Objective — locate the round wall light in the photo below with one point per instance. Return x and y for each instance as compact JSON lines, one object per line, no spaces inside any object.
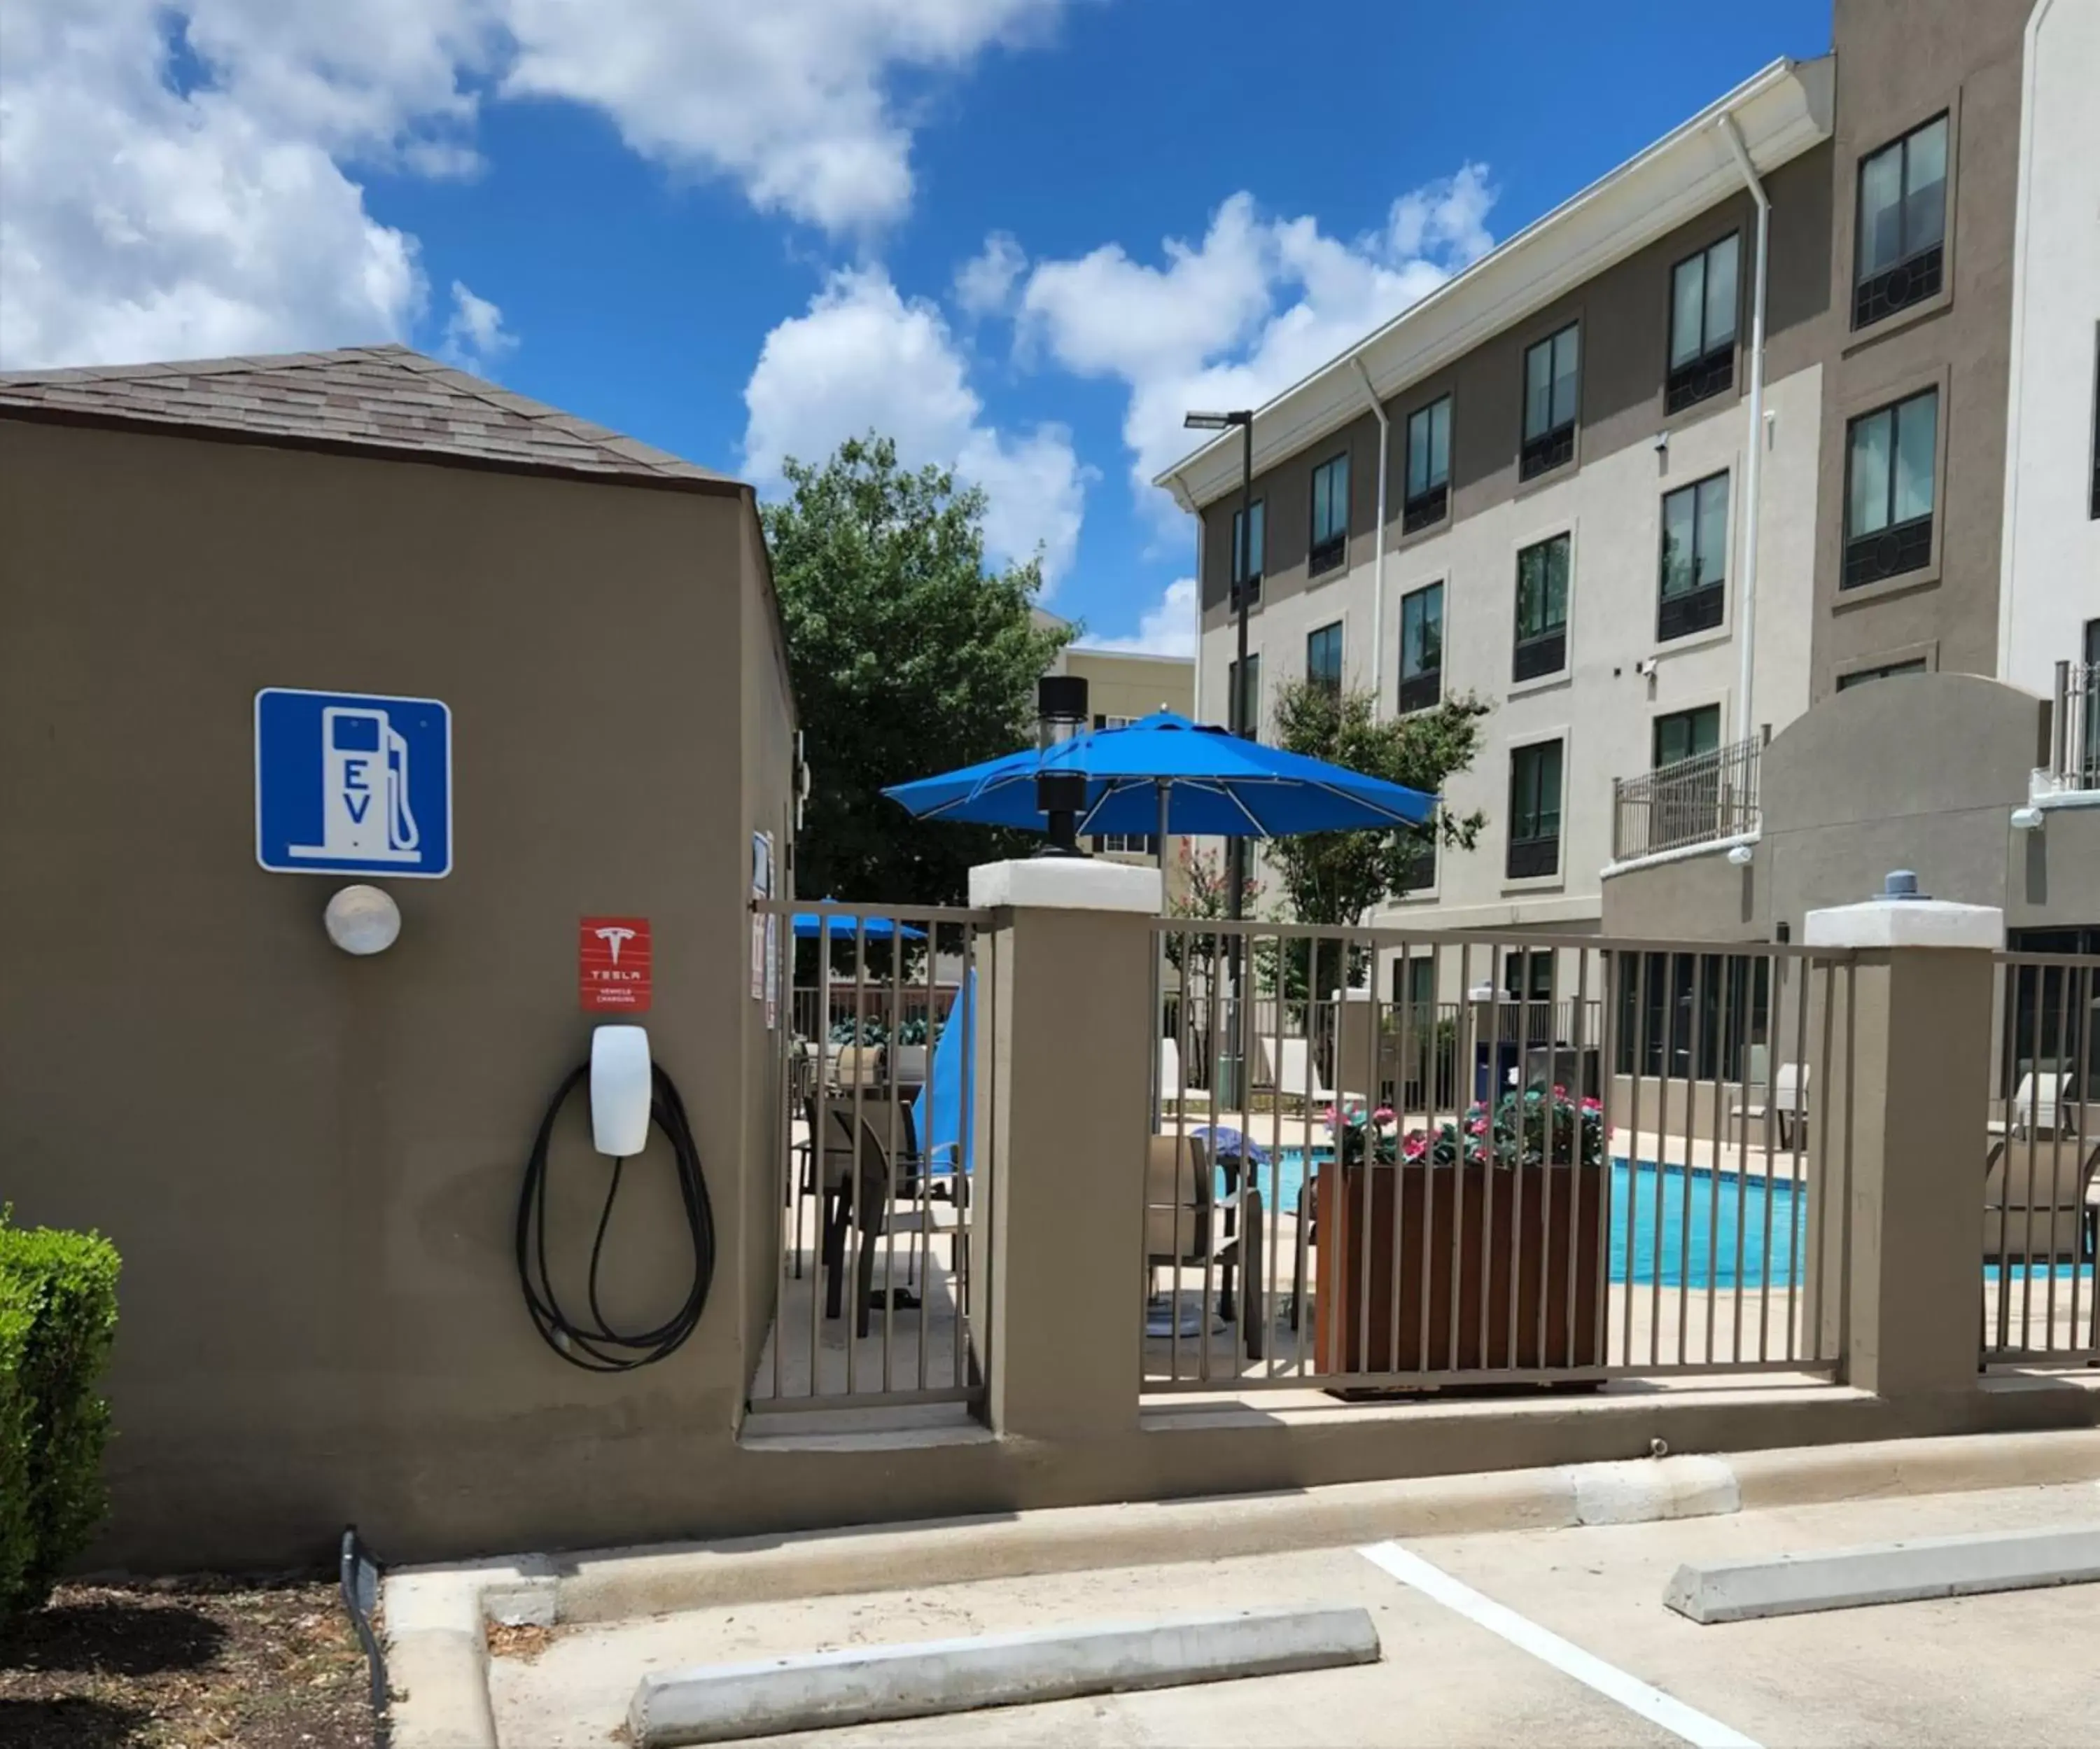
{"x":363,"y":920}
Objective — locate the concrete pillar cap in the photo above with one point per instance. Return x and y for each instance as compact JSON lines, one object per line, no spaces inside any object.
{"x":1906,"y":922}
{"x":1066,"y":883}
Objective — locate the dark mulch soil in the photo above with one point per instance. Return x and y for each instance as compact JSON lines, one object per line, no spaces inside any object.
{"x":190,"y":1663}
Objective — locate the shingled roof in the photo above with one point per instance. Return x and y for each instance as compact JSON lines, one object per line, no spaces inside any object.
{"x":383,"y":398}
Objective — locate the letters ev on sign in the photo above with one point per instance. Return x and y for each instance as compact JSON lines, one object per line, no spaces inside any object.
{"x":352,"y":783}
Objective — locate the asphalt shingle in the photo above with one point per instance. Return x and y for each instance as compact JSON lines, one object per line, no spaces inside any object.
{"x":382,"y":398}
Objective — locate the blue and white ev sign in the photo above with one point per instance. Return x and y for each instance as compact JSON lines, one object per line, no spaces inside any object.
{"x":349,"y":783}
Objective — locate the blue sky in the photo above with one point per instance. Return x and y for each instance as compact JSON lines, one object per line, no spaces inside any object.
{"x":743,"y":232}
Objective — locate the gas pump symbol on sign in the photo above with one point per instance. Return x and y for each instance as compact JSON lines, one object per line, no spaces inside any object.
{"x":347,"y":783}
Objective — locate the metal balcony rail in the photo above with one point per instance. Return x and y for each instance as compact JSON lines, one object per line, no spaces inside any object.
{"x":2074,"y":738}
{"x":1623,"y":1172}
{"x":2041,"y":1165}
{"x":1695,"y":801}
{"x":868,"y":1211}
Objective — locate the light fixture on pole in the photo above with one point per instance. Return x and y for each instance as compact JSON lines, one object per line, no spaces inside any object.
{"x":1060,"y":715}
{"x":1232,"y":1066}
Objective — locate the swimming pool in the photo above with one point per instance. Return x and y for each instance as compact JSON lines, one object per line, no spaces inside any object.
{"x":1662,"y":1250}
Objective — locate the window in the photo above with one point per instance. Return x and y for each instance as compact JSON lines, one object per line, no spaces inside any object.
{"x":1541,"y":609}
{"x":1534,"y":811}
{"x":1249,"y":694}
{"x":1416,"y":987}
{"x":1695,"y":558}
{"x":1702,"y":325}
{"x":1126,"y":844}
{"x":1428,"y":466}
{"x":1701,"y":1015}
{"x":1686,"y":734}
{"x":1420,"y":873}
{"x":1528,"y":974}
{"x":1331,"y":514}
{"x":1421,"y":648}
{"x":1249,"y":561}
{"x":1888,"y":491}
{"x":1860,"y":676}
{"x":1549,"y":402}
{"x":1323,"y":659}
{"x":1898,"y":254}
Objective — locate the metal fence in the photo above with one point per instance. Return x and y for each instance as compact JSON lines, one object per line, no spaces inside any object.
{"x":2074,"y":737}
{"x":2042,"y":1167}
{"x":1695,"y":801}
{"x":1472,"y":1187}
{"x":874,"y":1225}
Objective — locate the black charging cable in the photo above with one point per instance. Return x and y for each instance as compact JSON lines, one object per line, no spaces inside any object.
{"x":595,"y":1346}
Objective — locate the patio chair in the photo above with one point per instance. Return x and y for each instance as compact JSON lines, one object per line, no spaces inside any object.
{"x":2039,"y":1203}
{"x":859,"y":1186}
{"x":2039,"y":1102}
{"x":1185,"y":1224}
{"x":1172,"y":1091}
{"x":1788,"y":1102}
{"x":857,"y":1065}
{"x":904,"y":1066}
{"x":1296,"y":1074}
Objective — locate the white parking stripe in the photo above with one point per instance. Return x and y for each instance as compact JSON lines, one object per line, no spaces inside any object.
{"x":1630,"y":1692}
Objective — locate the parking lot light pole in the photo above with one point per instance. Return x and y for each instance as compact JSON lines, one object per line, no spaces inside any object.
{"x":1231,"y":1065}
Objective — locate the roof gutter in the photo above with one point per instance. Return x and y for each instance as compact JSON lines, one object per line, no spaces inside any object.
{"x":1378,"y":549}
{"x":1745,"y":718}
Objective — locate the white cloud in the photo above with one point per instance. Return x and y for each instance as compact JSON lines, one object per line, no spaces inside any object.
{"x":1168,"y":629}
{"x":1233,"y":320}
{"x":984,"y":284}
{"x":475,"y":338}
{"x":176,"y":175}
{"x":863,"y":357}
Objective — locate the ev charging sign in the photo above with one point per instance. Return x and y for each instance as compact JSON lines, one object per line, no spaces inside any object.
{"x":349,"y":783}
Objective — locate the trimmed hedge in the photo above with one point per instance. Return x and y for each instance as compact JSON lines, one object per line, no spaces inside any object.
{"x":58,"y":1320}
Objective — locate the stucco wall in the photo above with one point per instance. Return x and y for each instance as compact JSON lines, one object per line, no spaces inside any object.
{"x":311,"y":1163}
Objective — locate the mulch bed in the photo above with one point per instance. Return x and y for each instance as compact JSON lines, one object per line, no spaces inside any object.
{"x":189,"y":1663}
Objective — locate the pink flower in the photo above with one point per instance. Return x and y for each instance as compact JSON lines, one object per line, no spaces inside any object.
{"x":1559,"y":1092}
{"x":1383,"y":1114}
{"x":1415,"y":1146}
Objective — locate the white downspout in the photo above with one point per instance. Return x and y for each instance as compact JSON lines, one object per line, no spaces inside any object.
{"x":1378,"y":547}
{"x":1745,"y":721}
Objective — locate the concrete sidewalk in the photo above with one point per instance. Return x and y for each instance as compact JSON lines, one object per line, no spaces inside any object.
{"x":2017,"y":1667}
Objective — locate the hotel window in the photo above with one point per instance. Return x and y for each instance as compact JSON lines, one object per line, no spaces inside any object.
{"x":1551,"y":370}
{"x":1899,"y":251}
{"x":1249,"y":694}
{"x":1117,"y":843}
{"x":1323,"y":659}
{"x":1888,"y":671}
{"x":1541,"y":609}
{"x":1421,"y":648}
{"x":1686,"y":734}
{"x":1428,"y":466}
{"x":1695,"y":558}
{"x":1420,"y":875}
{"x":1534,"y":811}
{"x":1249,"y":560}
{"x":1702,"y":325}
{"x":1888,"y":490}
{"x":1331,"y":514}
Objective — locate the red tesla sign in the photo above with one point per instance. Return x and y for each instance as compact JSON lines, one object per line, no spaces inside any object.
{"x":612,"y":965}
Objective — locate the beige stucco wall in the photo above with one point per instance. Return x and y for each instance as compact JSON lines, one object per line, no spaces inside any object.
{"x":311,"y":1163}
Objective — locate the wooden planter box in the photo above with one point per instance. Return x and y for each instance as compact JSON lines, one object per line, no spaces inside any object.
{"x":1545,"y":1224}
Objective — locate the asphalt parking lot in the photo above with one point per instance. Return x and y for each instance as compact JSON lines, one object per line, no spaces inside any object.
{"x":2018,"y":1667}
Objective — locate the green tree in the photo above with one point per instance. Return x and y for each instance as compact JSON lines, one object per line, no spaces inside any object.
{"x":909,"y":657}
{"x":1339,"y":877}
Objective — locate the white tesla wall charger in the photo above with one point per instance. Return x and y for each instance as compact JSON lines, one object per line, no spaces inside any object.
{"x":620,"y":1090}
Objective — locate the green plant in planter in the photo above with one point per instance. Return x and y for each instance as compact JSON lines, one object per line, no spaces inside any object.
{"x":1357,"y":1130}
{"x":1516,"y":1132}
{"x":911,"y":1031}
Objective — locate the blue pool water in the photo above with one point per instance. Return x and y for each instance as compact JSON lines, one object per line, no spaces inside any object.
{"x":1662,"y":1251}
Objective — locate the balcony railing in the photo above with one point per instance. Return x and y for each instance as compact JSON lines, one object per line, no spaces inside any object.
{"x":2074,"y":736}
{"x":1694,"y":800}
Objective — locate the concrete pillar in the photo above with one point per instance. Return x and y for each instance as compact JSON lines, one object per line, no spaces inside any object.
{"x":1067,"y":1038}
{"x":1904,"y":1109}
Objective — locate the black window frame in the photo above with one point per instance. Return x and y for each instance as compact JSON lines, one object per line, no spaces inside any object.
{"x":1545,"y":652}
{"x":1425,"y":687}
{"x":1420,"y":874}
{"x":1915,"y":275}
{"x":1703,"y":607}
{"x":1859,"y":677}
{"x":1426,"y":508}
{"x":1537,"y":856}
{"x":1323,"y":638}
{"x":1711,"y":370}
{"x":1894,"y":549}
{"x":1257,"y":513}
{"x":1325,"y":552}
{"x":1555,"y":445}
{"x":1689,"y":713}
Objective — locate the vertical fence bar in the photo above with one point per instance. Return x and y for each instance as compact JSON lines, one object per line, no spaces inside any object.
{"x":1637,"y":964}
{"x":820,"y":1153}
{"x":1578,"y":1160}
{"x":1691,"y":1106}
{"x":1467,"y":1053}
{"x":1806,"y":1300}
{"x":856,"y":1234}
{"x":784,"y":937}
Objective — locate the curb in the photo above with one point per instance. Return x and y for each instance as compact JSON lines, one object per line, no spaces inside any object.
{"x":435,"y":1616}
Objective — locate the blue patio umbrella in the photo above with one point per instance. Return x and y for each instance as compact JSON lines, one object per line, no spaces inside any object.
{"x":938,"y":1113}
{"x":842,"y":926}
{"x":1165,"y":775}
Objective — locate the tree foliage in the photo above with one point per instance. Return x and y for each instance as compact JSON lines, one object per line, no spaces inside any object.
{"x":908,"y":657}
